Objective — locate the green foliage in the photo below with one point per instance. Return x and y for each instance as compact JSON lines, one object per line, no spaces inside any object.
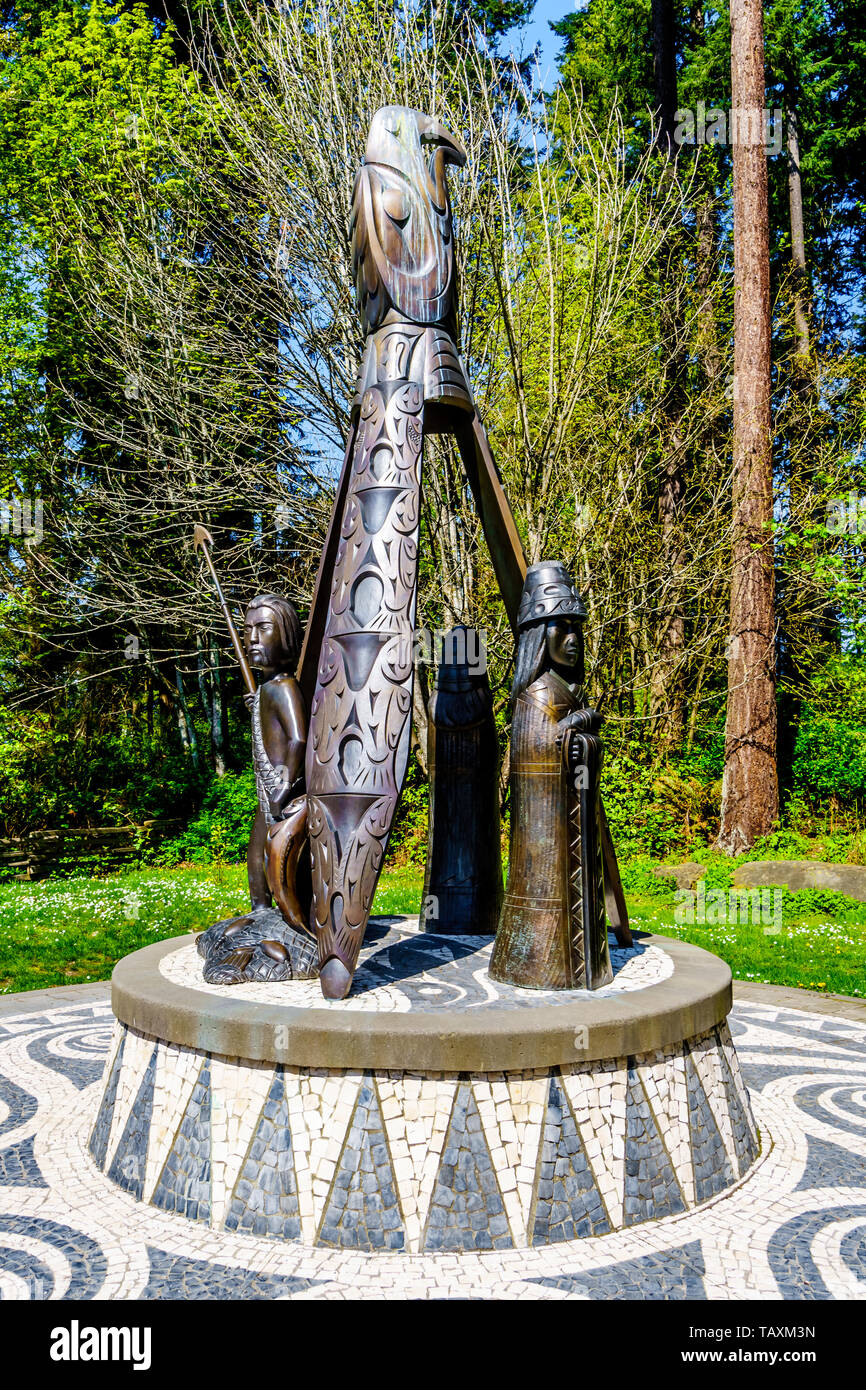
{"x":640,"y":822}
{"x":221,"y":830}
{"x":820,"y":902}
{"x":50,"y":778}
{"x":638,"y":876}
{"x":830,"y":750}
{"x":408,"y":842}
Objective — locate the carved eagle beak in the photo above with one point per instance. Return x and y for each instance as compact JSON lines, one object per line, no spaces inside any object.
{"x":433,"y":132}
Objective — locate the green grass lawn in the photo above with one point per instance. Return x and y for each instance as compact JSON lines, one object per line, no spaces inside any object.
{"x":68,"y":931}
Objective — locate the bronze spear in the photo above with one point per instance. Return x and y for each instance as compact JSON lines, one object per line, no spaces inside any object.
{"x":201,"y":539}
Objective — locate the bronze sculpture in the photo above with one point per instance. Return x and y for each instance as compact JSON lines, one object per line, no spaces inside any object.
{"x":463,"y":878}
{"x":356,"y":666}
{"x":270,"y":942}
{"x":553,"y":933}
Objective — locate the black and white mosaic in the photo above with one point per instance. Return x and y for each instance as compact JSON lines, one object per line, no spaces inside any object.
{"x":794,"y":1227}
{"x":402,"y":968}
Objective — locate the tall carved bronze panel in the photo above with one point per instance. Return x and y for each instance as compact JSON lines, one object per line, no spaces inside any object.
{"x":463,"y":878}
{"x":356,"y":663}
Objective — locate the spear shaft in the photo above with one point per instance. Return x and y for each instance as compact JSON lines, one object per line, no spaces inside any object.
{"x":201,"y":540}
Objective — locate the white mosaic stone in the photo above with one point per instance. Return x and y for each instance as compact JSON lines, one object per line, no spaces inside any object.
{"x":597,"y":1094}
{"x":737,"y":1234}
{"x":634,"y":969}
{"x":663,"y":1074}
{"x":512,"y":1108}
{"x":415,"y":1112}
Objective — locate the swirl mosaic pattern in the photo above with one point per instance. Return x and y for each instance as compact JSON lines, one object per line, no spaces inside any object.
{"x":402,"y":969}
{"x":793,"y":1227}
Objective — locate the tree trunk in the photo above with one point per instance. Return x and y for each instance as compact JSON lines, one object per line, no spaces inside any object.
{"x":798,"y":239}
{"x":665,"y":73}
{"x":185,"y":726}
{"x":668,"y":700}
{"x":750,"y":788}
{"x":217,"y":726}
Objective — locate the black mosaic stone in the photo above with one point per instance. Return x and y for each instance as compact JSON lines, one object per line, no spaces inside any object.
{"x":184,"y":1183}
{"x":362,"y":1211}
{"x":267,"y":1178}
{"x":102,"y":1129}
{"x":793,"y":1027}
{"x":567,"y":1203}
{"x":670,"y":1274}
{"x":759,"y":1074}
{"x":91,"y":1042}
{"x":436,"y":972}
{"x":18,"y":1166}
{"x":830,"y":1165}
{"x":810,"y":1100}
{"x":651,"y":1188}
{"x":87,"y":1263}
{"x":467,"y":1211}
{"x":179,"y":1277}
{"x":130,"y":1157}
{"x":745,"y":1143}
{"x":27,"y":1266}
{"x":31,"y":1024}
{"x":713,"y":1171}
{"x":852,"y":1252}
{"x":20,"y":1103}
{"x":790,"y":1252}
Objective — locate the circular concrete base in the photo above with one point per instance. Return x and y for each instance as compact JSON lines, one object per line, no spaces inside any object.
{"x":433,"y":1109}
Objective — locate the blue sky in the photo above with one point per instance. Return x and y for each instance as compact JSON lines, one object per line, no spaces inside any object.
{"x":537,"y":31}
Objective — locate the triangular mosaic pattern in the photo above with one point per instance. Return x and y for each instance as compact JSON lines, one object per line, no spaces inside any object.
{"x":137,"y":1056}
{"x":101,"y":1130}
{"x":130,"y":1156}
{"x":467,"y":1211}
{"x":416,"y":1111}
{"x":321,"y":1106}
{"x":177,"y":1071}
{"x":184,"y":1183}
{"x":362,"y":1211}
{"x":238,"y":1099}
{"x":651,"y":1188}
{"x":512,"y":1110}
{"x":663,"y":1074}
{"x":568,"y":1202}
{"x":745,"y":1145}
{"x":733,"y":1065}
{"x":265,"y":1198}
{"x":598,"y":1094}
{"x":713,"y":1172}
{"x":706,"y":1055}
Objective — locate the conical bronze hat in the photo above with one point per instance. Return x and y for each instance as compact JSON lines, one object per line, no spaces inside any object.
{"x":548,"y":592}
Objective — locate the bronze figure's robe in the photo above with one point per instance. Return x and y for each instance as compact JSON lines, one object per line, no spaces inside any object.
{"x":553,"y":931}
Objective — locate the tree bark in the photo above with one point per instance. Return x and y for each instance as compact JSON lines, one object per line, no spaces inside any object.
{"x":750,"y":788}
{"x":668,"y":699}
{"x":798,"y":238}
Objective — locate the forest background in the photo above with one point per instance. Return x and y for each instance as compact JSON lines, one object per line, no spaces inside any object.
{"x":178,"y":343}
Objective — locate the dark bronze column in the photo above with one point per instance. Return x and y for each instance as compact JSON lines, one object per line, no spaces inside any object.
{"x":463,"y":878}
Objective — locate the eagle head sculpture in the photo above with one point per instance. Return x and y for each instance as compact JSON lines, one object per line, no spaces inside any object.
{"x":402,"y":245}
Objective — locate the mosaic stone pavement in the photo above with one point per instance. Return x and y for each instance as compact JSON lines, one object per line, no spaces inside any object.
{"x":793,"y":1228}
{"x":402,"y":968}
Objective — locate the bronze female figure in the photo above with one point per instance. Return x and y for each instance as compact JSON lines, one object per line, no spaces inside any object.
{"x":553,"y":933}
